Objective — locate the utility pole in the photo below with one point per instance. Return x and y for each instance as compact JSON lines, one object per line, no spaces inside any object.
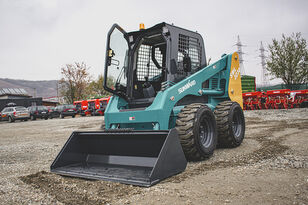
{"x":264,"y":77}
{"x":240,"y":53}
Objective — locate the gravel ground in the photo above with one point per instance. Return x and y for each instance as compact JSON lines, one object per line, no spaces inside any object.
{"x":270,"y":167}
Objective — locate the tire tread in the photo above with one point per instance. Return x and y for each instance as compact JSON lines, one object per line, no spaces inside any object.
{"x":184,"y":125}
{"x":225,"y":138}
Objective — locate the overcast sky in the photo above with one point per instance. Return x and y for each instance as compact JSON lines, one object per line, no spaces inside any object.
{"x":38,"y":37}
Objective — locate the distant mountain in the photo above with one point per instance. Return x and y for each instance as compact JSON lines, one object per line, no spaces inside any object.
{"x":44,"y":88}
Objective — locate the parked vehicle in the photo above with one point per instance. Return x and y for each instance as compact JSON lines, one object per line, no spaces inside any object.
{"x":78,"y":106}
{"x":38,"y":112}
{"x":66,"y":110}
{"x":52,"y":112}
{"x":15,"y":113}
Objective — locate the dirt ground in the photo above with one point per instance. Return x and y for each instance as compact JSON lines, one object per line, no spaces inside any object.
{"x":270,"y":167}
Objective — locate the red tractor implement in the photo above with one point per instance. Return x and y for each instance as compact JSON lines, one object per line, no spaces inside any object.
{"x":84,"y":108}
{"x":252,"y":100}
{"x":275,"y":99}
{"x":298,"y":98}
{"x":91,"y":106}
{"x":94,"y":107}
{"x":103,"y":104}
{"x":278,"y":99}
{"x":78,"y":106}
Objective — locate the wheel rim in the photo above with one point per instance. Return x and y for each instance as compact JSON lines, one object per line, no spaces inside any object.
{"x":237,"y":122}
{"x":206,"y":132}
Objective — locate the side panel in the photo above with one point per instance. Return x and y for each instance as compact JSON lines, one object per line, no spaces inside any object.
{"x":235,"y":84}
{"x":158,"y":114}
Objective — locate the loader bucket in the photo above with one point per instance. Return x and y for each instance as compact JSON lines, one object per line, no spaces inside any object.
{"x":132,"y":157}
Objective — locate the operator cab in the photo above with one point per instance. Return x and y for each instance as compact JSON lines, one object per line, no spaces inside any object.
{"x":142,"y":63}
{"x":149,"y":66}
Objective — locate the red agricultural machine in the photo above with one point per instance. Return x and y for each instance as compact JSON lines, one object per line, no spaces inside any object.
{"x":78,"y":106}
{"x":298,"y":98}
{"x":97,"y":106}
{"x":275,"y":99}
{"x":103,"y":104}
{"x":278,"y":99}
{"x":85,"y":108}
{"x":252,"y":100}
{"x":92,"y":106}
{"x":82,"y":107}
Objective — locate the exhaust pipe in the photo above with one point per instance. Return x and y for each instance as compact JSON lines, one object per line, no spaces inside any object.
{"x":132,"y":157}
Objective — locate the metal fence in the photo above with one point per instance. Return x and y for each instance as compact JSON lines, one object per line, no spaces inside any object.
{"x":283,"y":86}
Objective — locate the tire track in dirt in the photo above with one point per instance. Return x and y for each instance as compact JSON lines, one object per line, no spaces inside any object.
{"x":300,"y":125}
{"x":69,"y":190}
{"x":269,"y":148}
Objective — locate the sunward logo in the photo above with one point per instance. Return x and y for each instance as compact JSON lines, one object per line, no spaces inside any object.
{"x":186,"y":86}
{"x":235,"y":73}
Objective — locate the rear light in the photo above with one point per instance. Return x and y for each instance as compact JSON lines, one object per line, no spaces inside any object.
{"x":14,"y":113}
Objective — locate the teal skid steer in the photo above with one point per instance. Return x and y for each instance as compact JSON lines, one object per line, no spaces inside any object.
{"x":168,"y":107}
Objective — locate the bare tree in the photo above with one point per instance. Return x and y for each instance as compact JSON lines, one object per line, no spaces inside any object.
{"x":74,"y":81}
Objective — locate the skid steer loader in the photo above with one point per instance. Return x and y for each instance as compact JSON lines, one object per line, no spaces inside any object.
{"x":168,"y":106}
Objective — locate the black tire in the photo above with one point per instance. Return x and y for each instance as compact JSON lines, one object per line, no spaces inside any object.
{"x":73,"y":116}
{"x":197,"y":131}
{"x":26,"y":119}
{"x":230,"y":124}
